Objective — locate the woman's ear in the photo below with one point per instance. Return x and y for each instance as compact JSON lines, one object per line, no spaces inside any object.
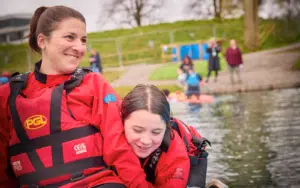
{"x":41,"y":41}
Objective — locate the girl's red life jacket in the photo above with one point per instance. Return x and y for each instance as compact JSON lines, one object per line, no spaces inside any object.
{"x":48,"y":145}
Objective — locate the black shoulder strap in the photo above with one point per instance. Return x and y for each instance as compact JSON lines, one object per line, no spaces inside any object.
{"x":151,"y":165}
{"x":76,"y":79}
{"x":175,"y":127}
{"x":17,"y":83}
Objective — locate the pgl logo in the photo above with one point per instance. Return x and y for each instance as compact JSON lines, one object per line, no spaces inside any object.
{"x":35,"y":122}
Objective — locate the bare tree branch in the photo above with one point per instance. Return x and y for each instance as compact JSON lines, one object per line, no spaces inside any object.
{"x":131,"y":12}
{"x":216,"y":8}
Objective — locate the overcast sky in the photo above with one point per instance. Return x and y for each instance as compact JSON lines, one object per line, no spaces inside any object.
{"x":91,"y":9}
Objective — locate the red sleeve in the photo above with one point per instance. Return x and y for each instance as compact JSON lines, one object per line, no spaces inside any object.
{"x":173,"y":167}
{"x":5,"y":181}
{"x":116,"y":150}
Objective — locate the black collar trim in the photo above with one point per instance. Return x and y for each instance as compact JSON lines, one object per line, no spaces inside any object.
{"x":38,"y":75}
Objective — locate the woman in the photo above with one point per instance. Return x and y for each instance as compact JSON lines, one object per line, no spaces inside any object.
{"x":186,"y":64}
{"x":234,"y":60}
{"x":182,"y":71}
{"x":60,"y":125}
{"x":213,"y":61}
{"x":146,"y":115}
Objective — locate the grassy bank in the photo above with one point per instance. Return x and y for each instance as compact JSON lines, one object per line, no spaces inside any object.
{"x":133,"y":44}
{"x":169,"y":71}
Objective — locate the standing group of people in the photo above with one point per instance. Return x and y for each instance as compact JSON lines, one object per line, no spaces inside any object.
{"x":191,"y":80}
{"x":233,"y":57}
{"x":63,"y":126}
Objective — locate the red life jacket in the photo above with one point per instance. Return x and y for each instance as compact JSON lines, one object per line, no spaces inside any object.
{"x":48,"y":145}
{"x":195,"y":145}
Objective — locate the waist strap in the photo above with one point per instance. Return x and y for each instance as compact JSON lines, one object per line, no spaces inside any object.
{"x":69,"y":168}
{"x":53,"y":139}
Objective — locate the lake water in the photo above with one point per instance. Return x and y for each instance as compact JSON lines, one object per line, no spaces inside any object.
{"x":255,"y":137}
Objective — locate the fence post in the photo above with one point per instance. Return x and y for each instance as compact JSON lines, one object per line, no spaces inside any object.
{"x":119,"y":51}
{"x":28,"y":59}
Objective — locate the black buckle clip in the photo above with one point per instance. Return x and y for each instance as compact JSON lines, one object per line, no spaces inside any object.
{"x":77,"y":176}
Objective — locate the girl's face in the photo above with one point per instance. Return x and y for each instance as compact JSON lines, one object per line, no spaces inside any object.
{"x":65,"y":48}
{"x":144,"y":132}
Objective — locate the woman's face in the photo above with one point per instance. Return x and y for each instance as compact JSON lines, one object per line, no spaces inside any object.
{"x":186,"y":60}
{"x":232,"y":44}
{"x":66,"y":46}
{"x":144,"y":132}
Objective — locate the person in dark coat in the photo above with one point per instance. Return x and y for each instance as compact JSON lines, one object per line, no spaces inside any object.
{"x":234,"y":61}
{"x":96,"y":61}
{"x":213,"y":61}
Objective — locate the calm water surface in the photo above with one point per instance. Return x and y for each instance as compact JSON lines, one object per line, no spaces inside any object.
{"x":255,"y":137}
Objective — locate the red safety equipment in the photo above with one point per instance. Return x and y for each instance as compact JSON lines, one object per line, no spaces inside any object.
{"x":59,"y":135}
{"x":195,"y":146}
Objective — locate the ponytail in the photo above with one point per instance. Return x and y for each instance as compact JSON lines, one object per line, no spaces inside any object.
{"x":33,"y":26}
{"x":46,"y":19}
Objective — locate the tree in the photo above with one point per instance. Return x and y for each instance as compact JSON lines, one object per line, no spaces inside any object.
{"x":251,"y":24}
{"x":215,"y":8}
{"x":131,"y":12}
{"x":291,"y":7}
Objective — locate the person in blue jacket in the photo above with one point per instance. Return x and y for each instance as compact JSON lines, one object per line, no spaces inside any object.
{"x":192,"y":87}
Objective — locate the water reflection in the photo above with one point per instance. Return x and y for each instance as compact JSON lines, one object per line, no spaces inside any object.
{"x":255,"y":137}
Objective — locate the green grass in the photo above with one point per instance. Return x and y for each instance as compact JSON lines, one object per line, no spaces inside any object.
{"x":111,"y":76}
{"x":122,"y":91}
{"x":169,"y":71}
{"x":137,"y":39}
{"x":296,"y":66}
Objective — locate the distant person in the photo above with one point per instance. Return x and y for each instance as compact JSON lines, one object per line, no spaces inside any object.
{"x":96,"y":61}
{"x":234,"y":60}
{"x":182,"y":71}
{"x":193,"y":81}
{"x":213,"y":62}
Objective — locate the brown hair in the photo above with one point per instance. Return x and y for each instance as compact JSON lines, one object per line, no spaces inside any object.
{"x":190,"y":61}
{"x":46,"y":19}
{"x":146,"y":97}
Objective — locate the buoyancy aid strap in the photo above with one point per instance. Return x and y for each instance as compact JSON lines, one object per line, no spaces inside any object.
{"x":151,"y":165}
{"x":17,"y":83}
{"x":58,"y":138}
{"x":76,"y":79}
{"x":59,"y":170}
{"x":55,"y":123}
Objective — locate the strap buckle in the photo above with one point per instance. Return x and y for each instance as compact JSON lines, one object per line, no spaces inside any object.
{"x":77,"y":176}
